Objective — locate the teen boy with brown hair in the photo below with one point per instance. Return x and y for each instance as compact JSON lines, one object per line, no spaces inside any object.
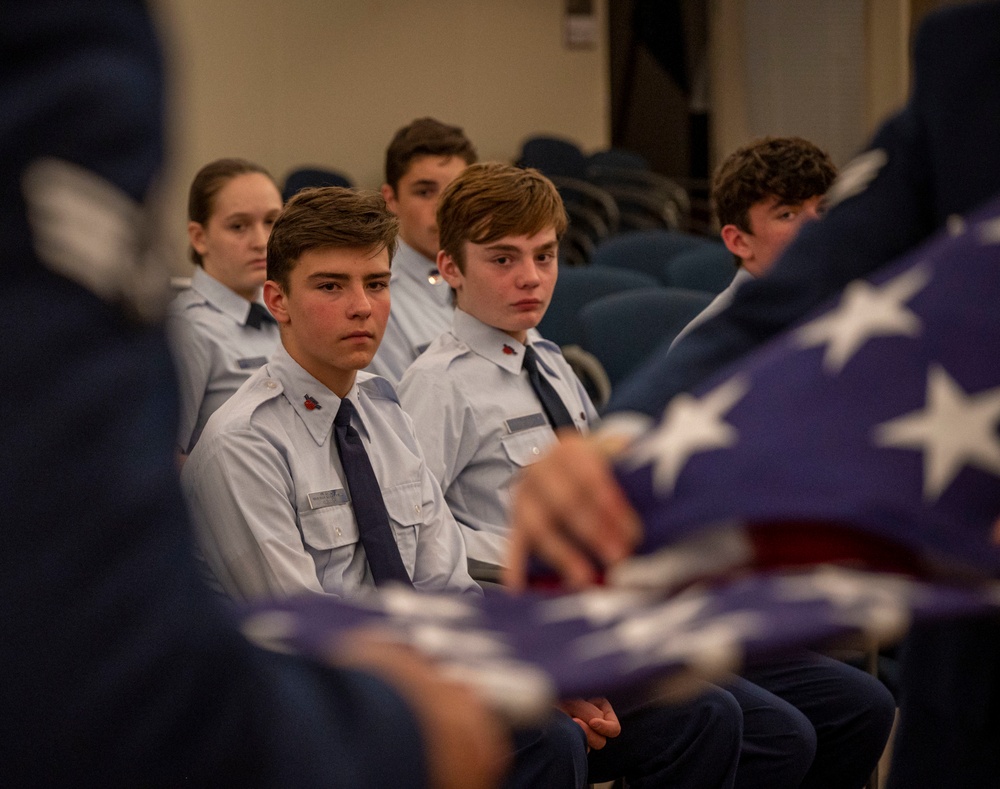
{"x":420,"y":162}
{"x":763,"y":193}
{"x":486,"y":398}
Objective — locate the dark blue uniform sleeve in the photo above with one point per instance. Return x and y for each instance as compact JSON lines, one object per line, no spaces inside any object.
{"x":120,"y":668}
{"x":936,"y":160}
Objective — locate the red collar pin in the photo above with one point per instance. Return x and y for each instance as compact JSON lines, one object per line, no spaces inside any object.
{"x":508,"y":350}
{"x":311,"y":404}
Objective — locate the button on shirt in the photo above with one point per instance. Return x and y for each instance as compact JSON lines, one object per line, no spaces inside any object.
{"x":214,"y":350}
{"x":479,"y":421}
{"x":273,"y":512}
{"x":421,"y":310}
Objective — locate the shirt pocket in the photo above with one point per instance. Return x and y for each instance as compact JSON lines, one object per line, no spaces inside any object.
{"x":526,"y":447}
{"x":329,"y":528}
{"x":405,"y":506}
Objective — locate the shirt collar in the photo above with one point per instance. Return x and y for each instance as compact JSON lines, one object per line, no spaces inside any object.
{"x":491,"y":343}
{"x":314,"y":403}
{"x":219,"y":296}
{"x":416,"y":267}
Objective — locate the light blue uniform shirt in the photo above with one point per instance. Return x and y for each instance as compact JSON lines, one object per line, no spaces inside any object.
{"x":421,"y":310}
{"x":479,"y":421}
{"x":214,"y":350}
{"x":267,"y":490}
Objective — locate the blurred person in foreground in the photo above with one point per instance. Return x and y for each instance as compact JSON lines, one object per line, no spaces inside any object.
{"x":120,"y":667}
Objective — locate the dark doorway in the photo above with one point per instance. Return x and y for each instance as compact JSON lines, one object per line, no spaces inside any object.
{"x":658,"y":90}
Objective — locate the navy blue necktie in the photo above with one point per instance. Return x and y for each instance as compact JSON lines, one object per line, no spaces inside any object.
{"x":555,"y":410}
{"x":366,"y":499}
{"x":258,"y":316}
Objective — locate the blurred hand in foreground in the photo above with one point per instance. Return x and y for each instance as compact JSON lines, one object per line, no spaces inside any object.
{"x":467,"y":746}
{"x":569,"y":510}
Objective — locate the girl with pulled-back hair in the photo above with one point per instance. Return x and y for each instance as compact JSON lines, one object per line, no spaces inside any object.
{"x":220,"y":329}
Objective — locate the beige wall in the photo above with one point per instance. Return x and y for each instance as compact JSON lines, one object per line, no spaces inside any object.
{"x":327,"y":82}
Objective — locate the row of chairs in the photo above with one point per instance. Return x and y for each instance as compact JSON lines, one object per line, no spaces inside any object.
{"x":670,"y":257}
{"x":606,"y":192}
{"x":616,"y":318}
{"x":305,"y":177}
{"x":639,"y":291}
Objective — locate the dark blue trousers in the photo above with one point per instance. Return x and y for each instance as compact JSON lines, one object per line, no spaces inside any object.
{"x":554,"y":755}
{"x":811,"y":722}
{"x":681,"y":746}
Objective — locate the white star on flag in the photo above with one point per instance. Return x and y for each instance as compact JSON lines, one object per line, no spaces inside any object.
{"x":598,"y":606}
{"x":875,"y":602}
{"x":989,"y":231}
{"x":441,"y":639}
{"x":689,"y":425}
{"x":711,"y":643}
{"x":643,"y":629}
{"x":953,"y":430}
{"x":856,"y":176}
{"x":399,"y":601}
{"x":865,"y":311}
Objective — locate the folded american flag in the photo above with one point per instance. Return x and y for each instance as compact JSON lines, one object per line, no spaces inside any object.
{"x":523,"y":652}
{"x":866,"y":434}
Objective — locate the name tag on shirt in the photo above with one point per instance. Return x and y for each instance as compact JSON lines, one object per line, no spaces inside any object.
{"x":327,"y":498}
{"x":520,"y":423}
{"x":252,"y":363}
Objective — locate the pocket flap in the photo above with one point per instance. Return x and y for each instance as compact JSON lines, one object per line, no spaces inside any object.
{"x":327,"y":528}
{"x":526,"y":447}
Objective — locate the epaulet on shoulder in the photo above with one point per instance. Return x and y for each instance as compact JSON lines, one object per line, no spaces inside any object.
{"x":185,"y":299}
{"x":436,"y":366}
{"x":261,"y":388}
{"x":238,"y":410}
{"x":541,"y":342}
{"x":191,"y":308}
{"x":377,"y":387}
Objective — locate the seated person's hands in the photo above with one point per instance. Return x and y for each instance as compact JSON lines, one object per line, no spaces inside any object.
{"x":597,"y":719}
